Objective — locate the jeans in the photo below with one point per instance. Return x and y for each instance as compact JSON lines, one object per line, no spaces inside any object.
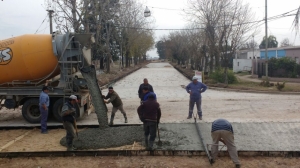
{"x":69,"y":127}
{"x":228,"y":138}
{"x":44,"y":118}
{"x":150,"y":128}
{"x":198,"y":105}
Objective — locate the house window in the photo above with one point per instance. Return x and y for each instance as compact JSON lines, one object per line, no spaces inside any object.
{"x":250,"y":57}
{"x":297,"y":60}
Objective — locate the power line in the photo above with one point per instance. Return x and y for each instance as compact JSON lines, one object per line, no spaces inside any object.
{"x":273,"y":18}
{"x":41,"y":24}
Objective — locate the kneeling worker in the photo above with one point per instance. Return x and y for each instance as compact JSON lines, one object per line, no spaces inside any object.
{"x":68,"y":116}
{"x":149,"y":113}
{"x":222,"y":131}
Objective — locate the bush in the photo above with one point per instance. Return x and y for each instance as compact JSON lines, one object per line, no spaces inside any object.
{"x":280,"y":86}
{"x":219,"y":76}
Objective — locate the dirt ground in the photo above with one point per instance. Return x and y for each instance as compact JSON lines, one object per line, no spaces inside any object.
{"x":148,"y":162}
{"x":174,"y":105}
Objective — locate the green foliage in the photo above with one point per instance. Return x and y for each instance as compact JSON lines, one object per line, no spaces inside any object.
{"x":272,"y":42}
{"x":219,"y":76}
{"x":280,"y":86}
{"x":283,"y":67}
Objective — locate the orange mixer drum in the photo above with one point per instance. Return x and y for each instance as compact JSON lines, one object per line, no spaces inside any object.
{"x":27,"y":58}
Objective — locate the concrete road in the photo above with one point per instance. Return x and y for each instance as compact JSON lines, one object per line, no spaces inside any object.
{"x":234,"y":106}
{"x":167,"y":84}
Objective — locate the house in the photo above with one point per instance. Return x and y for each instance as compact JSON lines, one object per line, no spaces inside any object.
{"x":249,"y":60}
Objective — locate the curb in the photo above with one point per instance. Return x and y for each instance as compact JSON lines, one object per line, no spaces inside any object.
{"x":238,"y":90}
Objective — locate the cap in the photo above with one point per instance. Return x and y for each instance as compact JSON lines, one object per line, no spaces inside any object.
{"x":195,"y":78}
{"x":45,"y":88}
{"x":73,"y":97}
{"x":110,"y":88}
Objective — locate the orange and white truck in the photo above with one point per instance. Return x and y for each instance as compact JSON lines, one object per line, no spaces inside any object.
{"x":27,"y":62}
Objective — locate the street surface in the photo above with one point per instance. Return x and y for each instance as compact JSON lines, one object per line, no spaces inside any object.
{"x":168,"y":85}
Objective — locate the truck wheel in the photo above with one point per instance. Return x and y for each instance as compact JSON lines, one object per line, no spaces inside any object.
{"x":57,"y":109}
{"x":31,"y":111}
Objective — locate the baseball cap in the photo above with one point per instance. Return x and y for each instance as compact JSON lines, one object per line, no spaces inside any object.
{"x":110,"y":88}
{"x":195,"y":78}
{"x":73,"y":97}
{"x":45,"y":88}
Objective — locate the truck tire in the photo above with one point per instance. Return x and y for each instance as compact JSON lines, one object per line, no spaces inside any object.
{"x":57,"y":109}
{"x":31,"y":111}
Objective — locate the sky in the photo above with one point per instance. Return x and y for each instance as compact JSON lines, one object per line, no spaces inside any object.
{"x":18,"y":17}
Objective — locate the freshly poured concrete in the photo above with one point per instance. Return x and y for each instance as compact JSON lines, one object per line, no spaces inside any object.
{"x":184,"y":136}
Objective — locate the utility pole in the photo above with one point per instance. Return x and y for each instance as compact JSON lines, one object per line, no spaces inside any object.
{"x":267,"y":41}
{"x":50,"y":18}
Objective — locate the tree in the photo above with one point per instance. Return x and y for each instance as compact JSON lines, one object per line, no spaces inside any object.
{"x":285,"y":43}
{"x":272,"y":42}
{"x":160,"y":49}
{"x":296,"y":21}
{"x":222,"y":21}
{"x":249,"y":45}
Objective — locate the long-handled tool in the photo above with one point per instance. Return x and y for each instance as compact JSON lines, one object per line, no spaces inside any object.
{"x":75,"y":125}
{"x":159,"y":142}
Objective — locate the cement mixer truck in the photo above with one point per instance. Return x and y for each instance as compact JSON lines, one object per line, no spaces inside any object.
{"x":27,"y":62}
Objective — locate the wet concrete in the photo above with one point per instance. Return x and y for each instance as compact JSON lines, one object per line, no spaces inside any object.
{"x":95,"y":92}
{"x":95,"y":138}
{"x":174,"y":136}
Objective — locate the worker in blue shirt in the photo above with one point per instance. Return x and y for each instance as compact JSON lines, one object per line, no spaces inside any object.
{"x":44,"y":102}
{"x":221,"y":130}
{"x":195,"y":89}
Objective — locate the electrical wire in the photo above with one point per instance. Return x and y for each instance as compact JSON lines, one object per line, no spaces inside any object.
{"x":41,"y":24}
{"x":273,"y":18}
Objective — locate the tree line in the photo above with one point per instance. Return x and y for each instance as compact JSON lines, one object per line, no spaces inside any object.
{"x":120,"y":29}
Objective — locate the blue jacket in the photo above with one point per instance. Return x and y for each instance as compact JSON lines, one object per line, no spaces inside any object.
{"x":44,"y":99}
{"x":221,"y":124}
{"x":147,"y":95}
{"x":196,"y":90}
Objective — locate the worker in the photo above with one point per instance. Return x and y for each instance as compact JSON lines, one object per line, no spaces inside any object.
{"x":68,"y":116}
{"x":195,"y":88}
{"x":146,"y":93}
{"x":145,"y":84}
{"x":116,"y":101}
{"x":44,"y":102}
{"x":221,"y":130}
{"x":149,"y":113}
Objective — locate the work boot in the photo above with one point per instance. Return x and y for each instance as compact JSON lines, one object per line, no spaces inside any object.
{"x":125,"y":117}
{"x":200,"y":117}
{"x":237,"y":166}
{"x":188,"y":117}
{"x":150,"y":147}
{"x":146,"y":142}
{"x":70,"y":148}
{"x":112,"y":119}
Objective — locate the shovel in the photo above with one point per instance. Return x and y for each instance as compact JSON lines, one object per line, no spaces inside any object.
{"x":75,"y":125}
{"x":159,"y":142}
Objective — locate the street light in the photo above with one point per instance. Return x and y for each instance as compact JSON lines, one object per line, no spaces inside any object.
{"x":147,"y":12}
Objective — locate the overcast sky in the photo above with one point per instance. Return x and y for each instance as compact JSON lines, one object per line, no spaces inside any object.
{"x":19,"y":17}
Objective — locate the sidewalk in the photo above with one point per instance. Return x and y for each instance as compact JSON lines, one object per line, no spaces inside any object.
{"x":254,"y":78}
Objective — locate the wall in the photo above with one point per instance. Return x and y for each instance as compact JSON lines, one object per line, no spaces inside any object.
{"x":242,"y":65}
{"x":294,"y":54}
{"x":256,"y":54}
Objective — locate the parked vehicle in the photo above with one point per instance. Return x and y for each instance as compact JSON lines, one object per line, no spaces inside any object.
{"x":27,"y":62}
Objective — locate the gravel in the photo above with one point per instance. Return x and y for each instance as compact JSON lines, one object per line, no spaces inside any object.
{"x":95,"y":138}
